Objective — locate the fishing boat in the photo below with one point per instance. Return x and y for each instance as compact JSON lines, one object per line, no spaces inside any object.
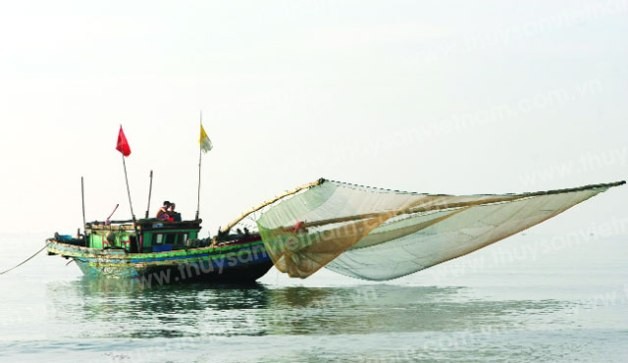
{"x":359,"y":231}
{"x":153,"y":251}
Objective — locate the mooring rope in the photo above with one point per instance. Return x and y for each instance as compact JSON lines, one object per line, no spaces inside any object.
{"x":26,"y":260}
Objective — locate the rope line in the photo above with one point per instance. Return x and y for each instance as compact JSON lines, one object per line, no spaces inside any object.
{"x":524,"y":194}
{"x":23,"y":262}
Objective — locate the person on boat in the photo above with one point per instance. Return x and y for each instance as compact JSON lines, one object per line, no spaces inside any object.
{"x":299,"y":227}
{"x":174,"y":216}
{"x":163,"y":212}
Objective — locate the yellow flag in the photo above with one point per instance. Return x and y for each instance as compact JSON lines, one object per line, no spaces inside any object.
{"x":206,"y":143}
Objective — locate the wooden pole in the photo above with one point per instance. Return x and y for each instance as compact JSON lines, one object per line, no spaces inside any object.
{"x":83,"y":203}
{"x":200,"y":158}
{"x":150,"y":192}
{"x":128,"y":190}
{"x":108,"y":220}
{"x":269,"y":202}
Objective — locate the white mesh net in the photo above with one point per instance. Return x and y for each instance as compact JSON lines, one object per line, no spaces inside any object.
{"x":380,"y":234}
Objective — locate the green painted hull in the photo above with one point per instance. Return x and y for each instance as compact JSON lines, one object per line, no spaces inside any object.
{"x":241,"y":262}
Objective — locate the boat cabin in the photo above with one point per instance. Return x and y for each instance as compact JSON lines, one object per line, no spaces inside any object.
{"x":145,"y":235}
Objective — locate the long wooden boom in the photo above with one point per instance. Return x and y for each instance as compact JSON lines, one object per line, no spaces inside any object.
{"x":269,"y":202}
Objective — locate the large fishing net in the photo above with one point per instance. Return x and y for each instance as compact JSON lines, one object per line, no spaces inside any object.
{"x":381,"y":234}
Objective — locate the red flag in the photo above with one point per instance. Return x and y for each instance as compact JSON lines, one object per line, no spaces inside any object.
{"x":123,"y":145}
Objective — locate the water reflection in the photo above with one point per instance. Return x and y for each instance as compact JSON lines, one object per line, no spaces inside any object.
{"x":111,"y":308}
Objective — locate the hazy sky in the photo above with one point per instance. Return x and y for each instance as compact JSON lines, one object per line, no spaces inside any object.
{"x":428,"y":96}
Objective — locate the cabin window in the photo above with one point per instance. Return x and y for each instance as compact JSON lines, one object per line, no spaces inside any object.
{"x":169,"y":238}
{"x":177,"y":239}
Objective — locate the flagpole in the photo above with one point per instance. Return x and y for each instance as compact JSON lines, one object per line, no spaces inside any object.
{"x":128,"y":190}
{"x":123,"y":147}
{"x":200,"y":158}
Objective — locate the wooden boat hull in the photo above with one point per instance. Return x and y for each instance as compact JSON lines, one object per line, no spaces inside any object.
{"x":230,"y":263}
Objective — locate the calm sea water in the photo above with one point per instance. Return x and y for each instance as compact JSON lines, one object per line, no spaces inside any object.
{"x":527,"y":299}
